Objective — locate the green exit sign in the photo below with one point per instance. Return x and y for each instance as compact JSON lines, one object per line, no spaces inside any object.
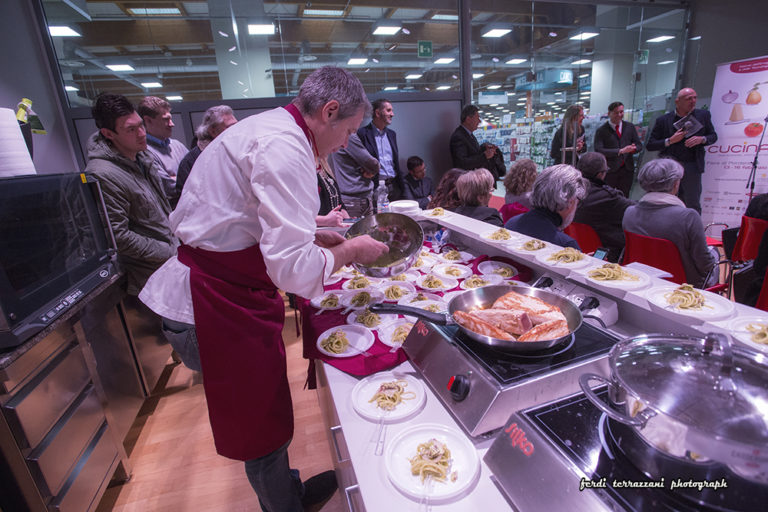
{"x":425,"y":49}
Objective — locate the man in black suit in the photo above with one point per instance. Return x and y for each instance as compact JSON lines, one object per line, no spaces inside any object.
{"x":467,"y":153}
{"x":381,"y":143}
{"x":685,"y":146}
{"x":618,"y":141}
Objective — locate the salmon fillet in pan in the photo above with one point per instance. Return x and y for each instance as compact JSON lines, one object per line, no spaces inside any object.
{"x":538,"y":311}
{"x":546,"y":331}
{"x":480,"y":326}
{"x":513,"y":322}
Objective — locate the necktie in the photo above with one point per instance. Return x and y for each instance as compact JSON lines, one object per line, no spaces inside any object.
{"x":618,"y":130}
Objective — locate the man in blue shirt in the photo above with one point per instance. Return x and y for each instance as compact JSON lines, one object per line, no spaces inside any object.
{"x":381,"y":143}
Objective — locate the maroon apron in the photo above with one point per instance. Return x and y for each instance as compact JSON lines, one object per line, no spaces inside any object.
{"x":239,"y":321}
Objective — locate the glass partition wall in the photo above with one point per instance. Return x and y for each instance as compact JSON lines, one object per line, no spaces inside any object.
{"x":528,"y":60}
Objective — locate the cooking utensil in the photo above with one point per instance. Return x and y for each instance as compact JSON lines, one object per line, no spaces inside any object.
{"x":403,"y":236}
{"x":691,"y":398}
{"x":484,"y":298}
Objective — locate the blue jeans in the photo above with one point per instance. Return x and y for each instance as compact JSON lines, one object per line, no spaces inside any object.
{"x":183,"y":339}
{"x":278,"y":487}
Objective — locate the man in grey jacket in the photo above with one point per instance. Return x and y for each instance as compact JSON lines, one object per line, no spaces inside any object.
{"x":355,"y":171}
{"x":137,"y":207}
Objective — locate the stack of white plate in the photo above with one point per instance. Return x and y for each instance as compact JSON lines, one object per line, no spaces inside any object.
{"x":404,"y":206}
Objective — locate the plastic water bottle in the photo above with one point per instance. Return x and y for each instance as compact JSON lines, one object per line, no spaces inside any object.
{"x":382,"y":198}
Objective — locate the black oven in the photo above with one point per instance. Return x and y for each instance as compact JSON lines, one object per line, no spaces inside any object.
{"x":53,"y":250}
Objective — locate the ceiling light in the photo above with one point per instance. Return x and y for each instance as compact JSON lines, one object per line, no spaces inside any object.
{"x":406,"y":31}
{"x":584,"y":75}
{"x":323,"y":12}
{"x":62,"y":31}
{"x":445,"y":17}
{"x":584,"y":35}
{"x":695,"y":38}
{"x":390,"y":88}
{"x":70,"y":88}
{"x":494,"y":86}
{"x":174,"y":98}
{"x":550,"y":103}
{"x":261,"y":29}
{"x":120,"y":67}
{"x":386,"y":30}
{"x":496,"y":32}
{"x":585,"y":93}
{"x":477,"y":75}
{"x":580,"y":62}
{"x":413,"y":76}
{"x":357,"y":61}
{"x":516,"y":61}
{"x":445,"y":60}
{"x":154,"y":11}
{"x":665,"y":62}
{"x":151,"y":85}
{"x":374,"y":60}
{"x":442,"y":87}
{"x":659,"y":39}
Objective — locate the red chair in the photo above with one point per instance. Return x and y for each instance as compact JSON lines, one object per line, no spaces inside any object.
{"x":510,"y":210}
{"x":659,"y":253}
{"x":748,"y":240}
{"x":585,"y":236}
{"x":762,"y":299}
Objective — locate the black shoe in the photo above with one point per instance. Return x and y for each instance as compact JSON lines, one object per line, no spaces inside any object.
{"x":318,"y":490}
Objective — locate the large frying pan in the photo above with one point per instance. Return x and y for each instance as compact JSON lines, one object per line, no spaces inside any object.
{"x":484,"y":298}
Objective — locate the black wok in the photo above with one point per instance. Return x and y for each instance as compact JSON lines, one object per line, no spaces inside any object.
{"x":484,"y":298}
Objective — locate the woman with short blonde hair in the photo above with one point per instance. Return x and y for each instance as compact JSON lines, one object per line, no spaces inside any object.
{"x":475,"y":189}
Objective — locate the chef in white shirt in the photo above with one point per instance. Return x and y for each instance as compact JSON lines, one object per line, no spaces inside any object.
{"x":247,"y":225}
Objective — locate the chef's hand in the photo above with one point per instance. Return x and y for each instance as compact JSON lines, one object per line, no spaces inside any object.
{"x":694,"y":141}
{"x":333,"y":219}
{"x":366,"y":249}
{"x":677,"y":136}
{"x":326,"y":238}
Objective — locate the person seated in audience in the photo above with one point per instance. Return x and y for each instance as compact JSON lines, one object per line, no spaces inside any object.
{"x":603,"y":207}
{"x":416,"y":185}
{"x":475,"y":189}
{"x":555,"y":197}
{"x":758,"y":267}
{"x":518,"y":182}
{"x":661,"y":214}
{"x":445,"y":196}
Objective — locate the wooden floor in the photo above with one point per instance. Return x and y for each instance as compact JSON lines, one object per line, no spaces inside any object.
{"x":175,"y":466}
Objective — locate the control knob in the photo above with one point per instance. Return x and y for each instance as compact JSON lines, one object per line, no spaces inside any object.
{"x":458,"y":387}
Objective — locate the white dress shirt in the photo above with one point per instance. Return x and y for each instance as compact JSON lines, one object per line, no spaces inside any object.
{"x":255,"y":183}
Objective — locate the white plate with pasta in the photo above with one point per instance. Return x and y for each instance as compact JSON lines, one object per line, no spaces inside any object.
{"x":424,"y":263}
{"x":437,"y":212}
{"x":505,"y":270}
{"x":566,"y":257}
{"x":501,"y":236}
{"x":361,"y":283}
{"x":370,"y":320}
{"x":478,"y":281}
{"x":388,"y":396}
{"x":394,"y":334}
{"x":530,"y":246}
{"x":439,"y":283}
{"x":435,"y":306}
{"x":345,"y":341}
{"x":395,"y":290}
{"x":453,"y":256}
{"x":711,"y":306}
{"x":359,"y":299}
{"x":407,"y":276}
{"x":612,"y":275}
{"x":329,"y":300}
{"x":452,"y":270}
{"x":416,"y":297}
{"x":752,"y":330}
{"x":457,"y":462}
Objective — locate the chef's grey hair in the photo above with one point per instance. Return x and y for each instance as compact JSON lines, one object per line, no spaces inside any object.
{"x":213,"y":117}
{"x":331,"y":83}
{"x":474,"y":187}
{"x":556,"y":187}
{"x":660,"y":175}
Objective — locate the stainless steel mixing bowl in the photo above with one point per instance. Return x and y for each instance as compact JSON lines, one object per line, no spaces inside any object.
{"x":403,"y":236}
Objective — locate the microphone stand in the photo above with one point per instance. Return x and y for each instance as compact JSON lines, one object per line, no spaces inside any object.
{"x":753,"y":172}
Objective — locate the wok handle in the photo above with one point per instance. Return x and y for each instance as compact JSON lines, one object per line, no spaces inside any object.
{"x":639,"y":421}
{"x":725,"y":379}
{"x":429,"y":316}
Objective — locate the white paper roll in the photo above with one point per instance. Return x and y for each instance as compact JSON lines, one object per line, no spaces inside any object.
{"x":14,"y":156}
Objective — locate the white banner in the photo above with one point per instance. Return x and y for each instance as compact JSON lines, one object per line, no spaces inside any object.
{"x":739,"y":109}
